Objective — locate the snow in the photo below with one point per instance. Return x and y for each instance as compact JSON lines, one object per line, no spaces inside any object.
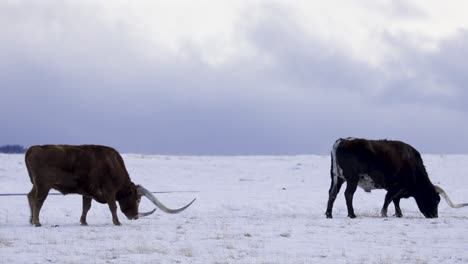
{"x":249,"y":209}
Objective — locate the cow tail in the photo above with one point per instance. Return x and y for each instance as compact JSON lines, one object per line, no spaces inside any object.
{"x":28,"y":167}
{"x":334,"y":180}
{"x":334,"y":170}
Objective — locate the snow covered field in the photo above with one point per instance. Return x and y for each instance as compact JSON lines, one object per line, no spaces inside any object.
{"x":249,"y":209}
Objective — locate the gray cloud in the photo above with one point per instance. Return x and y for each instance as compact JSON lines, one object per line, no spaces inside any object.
{"x":397,"y":9}
{"x":67,"y":77}
{"x":434,"y":78}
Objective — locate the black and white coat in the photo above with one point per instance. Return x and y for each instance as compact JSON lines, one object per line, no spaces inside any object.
{"x":383,"y":164}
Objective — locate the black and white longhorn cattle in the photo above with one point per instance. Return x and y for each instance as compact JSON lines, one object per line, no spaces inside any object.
{"x":383,"y":164}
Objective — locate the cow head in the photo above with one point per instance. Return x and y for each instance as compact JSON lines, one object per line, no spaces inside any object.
{"x":428,"y":200}
{"x":129,"y":202}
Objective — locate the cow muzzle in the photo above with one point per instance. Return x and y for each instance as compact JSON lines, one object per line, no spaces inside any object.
{"x":431,"y":215}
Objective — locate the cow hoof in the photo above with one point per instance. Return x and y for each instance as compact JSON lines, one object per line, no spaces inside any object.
{"x":329,"y":215}
{"x":352,"y":216}
{"x":399,"y":215}
{"x":84,"y":224}
{"x":37,"y":225}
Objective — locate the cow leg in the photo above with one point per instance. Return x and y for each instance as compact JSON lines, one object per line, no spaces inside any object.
{"x":332,"y":193}
{"x":392,"y":194}
{"x":349,"y":193}
{"x":37,"y":197}
{"x":396,"y":202}
{"x":86,"y":206}
{"x":113,"y":209}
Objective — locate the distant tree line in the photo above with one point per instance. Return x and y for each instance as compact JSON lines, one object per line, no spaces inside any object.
{"x":11,"y":149}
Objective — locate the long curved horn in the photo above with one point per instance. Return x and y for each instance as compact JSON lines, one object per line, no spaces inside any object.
{"x":147,"y":213}
{"x":150,"y":196}
{"x":447,"y":199}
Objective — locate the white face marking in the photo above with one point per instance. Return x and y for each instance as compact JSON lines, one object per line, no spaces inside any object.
{"x":366,"y":182}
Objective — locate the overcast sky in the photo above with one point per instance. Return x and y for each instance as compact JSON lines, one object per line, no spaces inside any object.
{"x":234,"y":77}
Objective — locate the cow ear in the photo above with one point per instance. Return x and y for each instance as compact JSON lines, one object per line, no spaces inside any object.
{"x":139,"y":190}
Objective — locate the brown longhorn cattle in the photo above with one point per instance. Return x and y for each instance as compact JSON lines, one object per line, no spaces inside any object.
{"x":383,"y":164}
{"x":95,"y":172}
